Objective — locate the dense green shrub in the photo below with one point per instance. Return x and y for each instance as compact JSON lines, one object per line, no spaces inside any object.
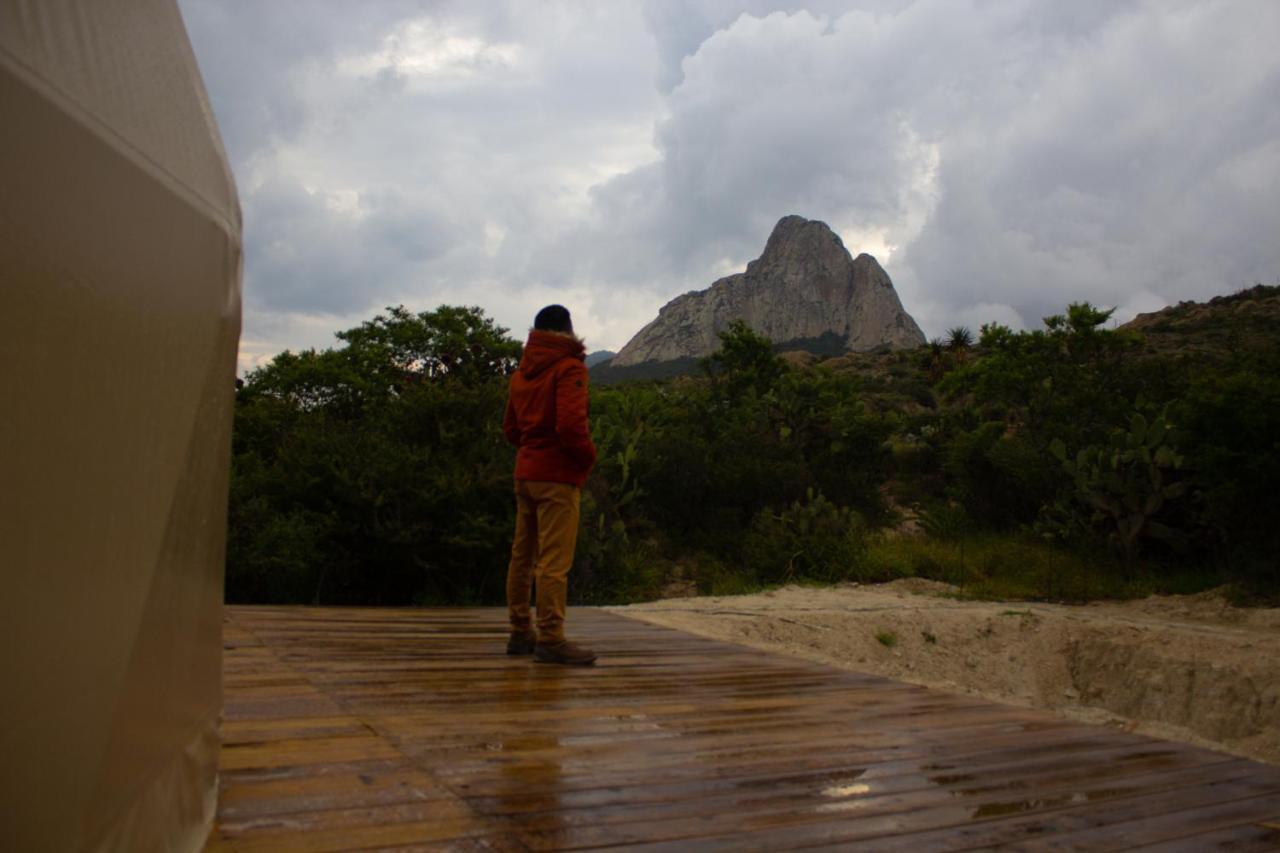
{"x":376,"y":473}
{"x":611,"y":566}
{"x":1229,"y":430}
{"x":999,"y":476}
{"x":1072,"y":376}
{"x":809,"y":540}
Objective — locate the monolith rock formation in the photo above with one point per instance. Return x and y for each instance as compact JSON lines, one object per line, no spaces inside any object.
{"x":804,"y":287}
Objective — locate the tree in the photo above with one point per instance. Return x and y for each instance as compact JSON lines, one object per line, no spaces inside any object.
{"x":375,"y":472}
{"x":745,"y":359}
{"x":452,"y":342}
{"x":1070,"y":380}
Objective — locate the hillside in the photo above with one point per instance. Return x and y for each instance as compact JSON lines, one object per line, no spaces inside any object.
{"x":1225,"y":329}
{"x":1221,"y":329}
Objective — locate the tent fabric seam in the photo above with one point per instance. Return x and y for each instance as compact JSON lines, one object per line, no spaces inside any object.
{"x":72,"y":107}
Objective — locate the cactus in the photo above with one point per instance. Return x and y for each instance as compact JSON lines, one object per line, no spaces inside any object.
{"x":1125,"y":484}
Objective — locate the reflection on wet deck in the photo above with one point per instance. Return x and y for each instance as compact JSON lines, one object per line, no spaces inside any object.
{"x":361,"y":728}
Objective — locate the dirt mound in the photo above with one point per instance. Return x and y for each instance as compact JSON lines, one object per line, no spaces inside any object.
{"x":1190,"y":668}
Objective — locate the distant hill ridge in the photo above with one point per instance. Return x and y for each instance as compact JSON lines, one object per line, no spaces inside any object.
{"x":1223,"y":327}
{"x":804,"y":286}
{"x":1245,"y":323}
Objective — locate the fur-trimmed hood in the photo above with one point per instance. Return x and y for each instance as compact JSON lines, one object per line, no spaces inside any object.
{"x":544,"y":349}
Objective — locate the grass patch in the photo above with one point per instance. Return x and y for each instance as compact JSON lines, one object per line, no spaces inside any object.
{"x":1001,"y":567}
{"x":713,"y":577}
{"x":888,"y":639}
{"x":1021,"y":567}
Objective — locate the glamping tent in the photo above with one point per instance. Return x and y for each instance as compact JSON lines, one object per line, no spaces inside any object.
{"x":119,"y":320}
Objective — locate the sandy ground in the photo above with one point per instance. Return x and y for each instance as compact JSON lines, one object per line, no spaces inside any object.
{"x":1189,"y":668}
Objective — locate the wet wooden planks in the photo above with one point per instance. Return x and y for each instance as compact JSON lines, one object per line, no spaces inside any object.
{"x":354,"y":729}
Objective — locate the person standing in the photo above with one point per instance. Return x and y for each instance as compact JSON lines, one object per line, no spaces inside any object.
{"x":546,"y":418}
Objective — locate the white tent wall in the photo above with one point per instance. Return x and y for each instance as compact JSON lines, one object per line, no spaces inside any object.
{"x":119,"y":322}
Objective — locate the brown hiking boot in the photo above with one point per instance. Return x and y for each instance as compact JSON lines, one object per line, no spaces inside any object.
{"x":521,"y":643}
{"x":563,"y":652}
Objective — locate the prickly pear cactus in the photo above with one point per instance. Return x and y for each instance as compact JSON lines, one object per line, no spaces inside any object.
{"x":1124,"y":484}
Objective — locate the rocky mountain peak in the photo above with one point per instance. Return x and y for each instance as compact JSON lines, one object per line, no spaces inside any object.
{"x":804,"y":286}
{"x":793,"y":240}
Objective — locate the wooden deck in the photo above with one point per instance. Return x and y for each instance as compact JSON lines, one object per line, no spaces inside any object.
{"x":411,"y":729}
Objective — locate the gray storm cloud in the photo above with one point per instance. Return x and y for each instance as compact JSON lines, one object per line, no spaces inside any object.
{"x":1001,"y":159}
{"x":1010,"y":158}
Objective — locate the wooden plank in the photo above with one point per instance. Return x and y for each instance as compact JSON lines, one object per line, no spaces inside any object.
{"x":1169,"y":826}
{"x":258,"y":831}
{"x":1241,"y":838}
{"x":363,"y":727}
{"x":358,"y":837}
{"x":374,"y":786}
{"x":289,"y":728}
{"x":778,"y":766}
{"x":859,"y":816}
{"x":321,"y":750}
{"x":849,"y":788}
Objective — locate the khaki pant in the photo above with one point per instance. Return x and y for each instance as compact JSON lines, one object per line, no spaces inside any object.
{"x":542,"y":549}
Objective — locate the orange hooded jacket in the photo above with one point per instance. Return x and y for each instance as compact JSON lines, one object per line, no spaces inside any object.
{"x":546,"y":413}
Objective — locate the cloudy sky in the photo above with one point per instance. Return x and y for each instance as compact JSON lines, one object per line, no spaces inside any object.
{"x":999,"y":157}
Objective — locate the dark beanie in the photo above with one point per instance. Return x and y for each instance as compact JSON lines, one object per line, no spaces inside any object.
{"x":554,"y":318}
